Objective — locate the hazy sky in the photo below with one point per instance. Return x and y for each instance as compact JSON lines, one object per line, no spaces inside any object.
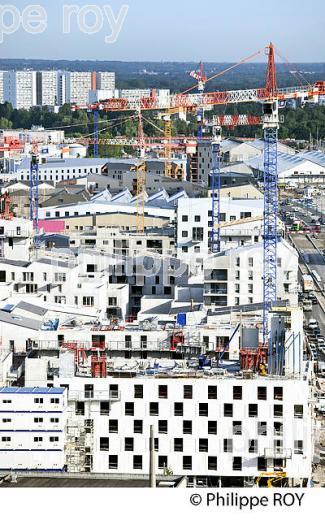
{"x":173,"y":30}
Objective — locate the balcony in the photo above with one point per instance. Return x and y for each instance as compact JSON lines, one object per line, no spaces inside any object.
{"x":278,"y":453}
{"x":220,"y":275}
{"x":215,"y":291}
{"x":97,"y":395}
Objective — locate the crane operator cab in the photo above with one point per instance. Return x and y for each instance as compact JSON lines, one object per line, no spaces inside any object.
{"x":271,"y":113}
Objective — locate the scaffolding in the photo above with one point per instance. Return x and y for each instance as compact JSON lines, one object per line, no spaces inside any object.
{"x":79,"y":446}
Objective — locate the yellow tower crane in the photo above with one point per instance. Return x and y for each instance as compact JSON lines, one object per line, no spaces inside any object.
{"x":168,"y":131}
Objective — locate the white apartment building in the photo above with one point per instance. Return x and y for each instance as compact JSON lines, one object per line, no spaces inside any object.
{"x":105,"y":81}
{"x":20,"y":88}
{"x":2,"y":74}
{"x":78,"y":86}
{"x":16,"y":238}
{"x":207,"y":427}
{"x":47,"y":88}
{"x":235,"y":276}
{"x":194,"y":225}
{"x":32,"y":429}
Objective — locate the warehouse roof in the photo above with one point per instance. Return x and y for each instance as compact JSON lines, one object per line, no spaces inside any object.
{"x":287,"y":161}
{"x":63,"y":163}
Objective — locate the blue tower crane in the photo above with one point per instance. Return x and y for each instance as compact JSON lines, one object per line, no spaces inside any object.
{"x":271,"y":209}
{"x":216,"y":189}
{"x":33,"y":191}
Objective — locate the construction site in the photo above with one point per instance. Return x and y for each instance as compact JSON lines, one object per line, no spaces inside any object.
{"x":163,"y":334}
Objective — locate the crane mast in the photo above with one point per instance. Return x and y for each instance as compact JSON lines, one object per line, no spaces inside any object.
{"x":33,"y":188}
{"x":216,"y":189}
{"x":271,"y":202}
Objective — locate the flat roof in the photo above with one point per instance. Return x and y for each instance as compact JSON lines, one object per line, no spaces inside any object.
{"x":31,"y":390}
{"x":20,"y":321}
{"x":34,"y":309}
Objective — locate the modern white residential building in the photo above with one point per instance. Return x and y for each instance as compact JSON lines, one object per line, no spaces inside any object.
{"x":16,"y":238}
{"x":20,"y":88}
{"x":32,"y":429}
{"x":205,"y":428}
{"x":241,"y":221}
{"x":235,"y":276}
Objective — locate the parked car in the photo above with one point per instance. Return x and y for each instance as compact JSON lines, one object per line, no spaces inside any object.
{"x":312,"y":324}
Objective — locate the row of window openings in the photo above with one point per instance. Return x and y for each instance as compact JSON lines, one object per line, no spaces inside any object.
{"x":233,"y":218}
{"x":212,"y":465}
{"x":63,"y":173}
{"x":204,"y":445}
{"x":204,"y":410}
{"x":37,"y":400}
{"x":36,"y":439}
{"x":212,"y":427}
{"x":212,"y":393}
{"x":37,"y":420}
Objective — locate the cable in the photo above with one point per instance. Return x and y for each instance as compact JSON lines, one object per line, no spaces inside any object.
{"x":226,"y":70}
{"x":78,"y":124}
{"x":152,"y":124}
{"x":288,"y":64}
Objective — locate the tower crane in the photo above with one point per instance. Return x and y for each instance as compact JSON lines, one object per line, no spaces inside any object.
{"x":201,"y":78}
{"x":141,"y":169}
{"x":216,"y":189}
{"x":33,"y":187}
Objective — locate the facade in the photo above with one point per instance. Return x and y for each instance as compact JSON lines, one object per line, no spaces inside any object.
{"x":58,"y":170}
{"x":235,"y":276}
{"x":78,"y":86}
{"x":105,"y":81}
{"x":47,"y":88}
{"x":207,"y":428}
{"x":242,"y":220}
{"x":2,"y":98}
{"x":20,"y":88}
{"x":32,"y":429}
{"x":15,"y":239}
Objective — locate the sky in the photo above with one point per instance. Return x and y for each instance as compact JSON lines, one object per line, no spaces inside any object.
{"x":163,"y":30}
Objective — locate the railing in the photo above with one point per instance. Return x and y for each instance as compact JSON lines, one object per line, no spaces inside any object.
{"x":96,"y":395}
{"x":278,"y":453}
{"x":210,"y":292}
